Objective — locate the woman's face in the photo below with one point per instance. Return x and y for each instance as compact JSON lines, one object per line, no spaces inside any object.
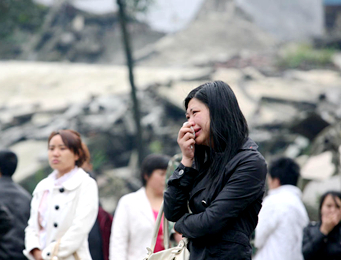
{"x":61,"y":158}
{"x":198,"y":115}
{"x":156,"y":181}
{"x":329,"y":206}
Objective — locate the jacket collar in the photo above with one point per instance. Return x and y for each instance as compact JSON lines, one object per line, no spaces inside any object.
{"x":69,"y":184}
{"x":249,"y":144}
{"x":6,"y":179}
{"x":75,"y":180}
{"x":286,"y":188}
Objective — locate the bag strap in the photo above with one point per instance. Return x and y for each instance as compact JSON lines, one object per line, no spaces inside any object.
{"x":157,"y":228}
{"x":56,"y":249}
{"x":166,"y":239}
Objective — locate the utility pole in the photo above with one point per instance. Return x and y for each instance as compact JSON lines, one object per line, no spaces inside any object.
{"x":128,"y":52}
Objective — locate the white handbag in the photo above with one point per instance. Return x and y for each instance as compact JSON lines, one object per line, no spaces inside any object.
{"x":55,"y":252}
{"x":180,"y":252}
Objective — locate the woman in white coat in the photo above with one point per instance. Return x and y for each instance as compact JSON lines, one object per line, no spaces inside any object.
{"x":135,"y":215}
{"x":64,"y":205}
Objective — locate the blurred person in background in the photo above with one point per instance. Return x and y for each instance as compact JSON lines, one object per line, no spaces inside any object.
{"x":64,"y":205}
{"x":6,"y":221}
{"x":322,"y":240}
{"x":99,"y":236}
{"x":17,"y":201}
{"x":221,"y":177}
{"x":136,"y":213}
{"x":283,"y":215}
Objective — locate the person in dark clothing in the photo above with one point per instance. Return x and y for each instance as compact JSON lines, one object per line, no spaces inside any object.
{"x":99,"y":236}
{"x":322,"y":240}
{"x":221,"y":177}
{"x":17,"y":201}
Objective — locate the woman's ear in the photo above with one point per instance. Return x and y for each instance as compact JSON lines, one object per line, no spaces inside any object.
{"x":76,"y":157}
{"x":145,"y":176}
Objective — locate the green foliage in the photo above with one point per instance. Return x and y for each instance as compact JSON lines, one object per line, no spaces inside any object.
{"x":98,"y":158}
{"x":155,"y":147}
{"x":305,"y":56}
{"x":30,"y":183}
{"x":138,"y":6}
{"x":19,"y":14}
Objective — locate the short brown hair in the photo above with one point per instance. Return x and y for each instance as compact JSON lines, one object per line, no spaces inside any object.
{"x":73,"y":141}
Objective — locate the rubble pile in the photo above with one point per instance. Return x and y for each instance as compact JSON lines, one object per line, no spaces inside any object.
{"x":69,"y":34}
{"x":297,"y":115}
{"x":293,"y":113}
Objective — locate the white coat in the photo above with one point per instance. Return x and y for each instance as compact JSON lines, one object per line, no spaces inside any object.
{"x":132,"y":228}
{"x":73,"y":211}
{"x":279,"y":232}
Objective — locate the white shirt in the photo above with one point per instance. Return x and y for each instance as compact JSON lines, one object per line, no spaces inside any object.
{"x":44,"y":211}
{"x":280,"y":227}
{"x":132,"y":228}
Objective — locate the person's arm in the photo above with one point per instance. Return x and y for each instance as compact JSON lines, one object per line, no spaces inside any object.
{"x":84,"y":219}
{"x":177,"y":194}
{"x":180,"y":183}
{"x":32,"y":241}
{"x":244,"y":187}
{"x":267,"y":223}
{"x":313,"y":240}
{"x":6,"y":220}
{"x":119,"y":237}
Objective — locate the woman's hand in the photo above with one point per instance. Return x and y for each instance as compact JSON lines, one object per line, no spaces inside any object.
{"x":37,"y":254}
{"x":177,"y":237}
{"x":329,"y":221}
{"x":186,"y":142}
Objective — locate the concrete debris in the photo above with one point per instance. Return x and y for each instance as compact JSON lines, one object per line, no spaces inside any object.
{"x":292,"y":116}
{"x":319,"y":167}
{"x":315,"y":189}
{"x":214,"y":36}
{"x":337,"y":60}
{"x":270,"y":14}
{"x":29,"y":155}
{"x":310,"y":126}
{"x":293,"y":113}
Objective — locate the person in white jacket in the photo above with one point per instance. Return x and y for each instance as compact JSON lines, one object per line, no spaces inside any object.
{"x":283,"y":216}
{"x":136,"y":212}
{"x":64,"y":205}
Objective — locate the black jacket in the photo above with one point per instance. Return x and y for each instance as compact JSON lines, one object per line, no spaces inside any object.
{"x":223,"y":220}
{"x":17,"y":200}
{"x":318,"y":246}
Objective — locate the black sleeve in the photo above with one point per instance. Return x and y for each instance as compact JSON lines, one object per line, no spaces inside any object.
{"x":177,"y":193}
{"x":313,"y":241}
{"x":6,"y":220}
{"x":244,"y":187}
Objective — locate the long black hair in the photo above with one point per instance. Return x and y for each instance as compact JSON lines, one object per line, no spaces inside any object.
{"x":334,"y":194}
{"x":228,"y":127}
